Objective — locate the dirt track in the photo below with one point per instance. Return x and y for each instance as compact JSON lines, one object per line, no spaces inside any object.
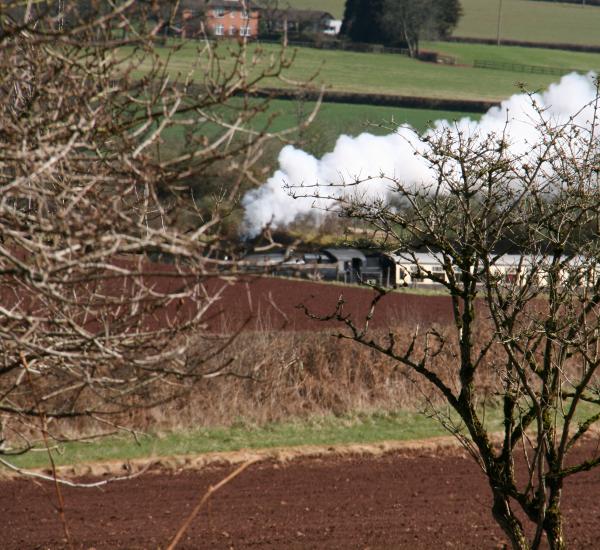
{"x":398,"y":500}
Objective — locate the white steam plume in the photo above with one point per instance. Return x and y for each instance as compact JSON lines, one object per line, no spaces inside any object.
{"x":368,"y":156}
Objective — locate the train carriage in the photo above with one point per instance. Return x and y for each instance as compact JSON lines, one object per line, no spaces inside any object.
{"x":406,"y":268}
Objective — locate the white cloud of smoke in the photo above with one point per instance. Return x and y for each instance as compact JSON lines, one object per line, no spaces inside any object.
{"x":368,"y":156}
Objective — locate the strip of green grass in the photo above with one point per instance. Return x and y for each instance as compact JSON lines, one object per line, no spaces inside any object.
{"x":318,"y":431}
{"x":325,"y":430}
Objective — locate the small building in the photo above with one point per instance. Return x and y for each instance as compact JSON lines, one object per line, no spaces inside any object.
{"x":232,"y":18}
{"x":301,"y":21}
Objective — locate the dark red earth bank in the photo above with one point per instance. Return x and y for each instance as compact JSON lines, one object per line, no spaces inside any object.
{"x":397,"y":500}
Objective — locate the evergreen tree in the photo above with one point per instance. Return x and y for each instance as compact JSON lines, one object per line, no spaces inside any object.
{"x":349,"y":14}
{"x":361,"y":20}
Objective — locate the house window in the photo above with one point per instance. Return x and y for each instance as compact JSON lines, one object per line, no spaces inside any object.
{"x":219,"y":30}
{"x":232,"y":31}
{"x":219,"y":12}
{"x":245,"y":31}
{"x":245,"y":14}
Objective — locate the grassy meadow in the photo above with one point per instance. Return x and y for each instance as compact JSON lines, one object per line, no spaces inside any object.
{"x":527,"y":20}
{"x":399,"y":75}
{"x":335,"y":119}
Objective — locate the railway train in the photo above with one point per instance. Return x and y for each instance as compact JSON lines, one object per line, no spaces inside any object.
{"x":405,"y":268}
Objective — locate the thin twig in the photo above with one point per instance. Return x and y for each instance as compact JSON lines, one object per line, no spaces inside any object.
{"x":211,"y":490}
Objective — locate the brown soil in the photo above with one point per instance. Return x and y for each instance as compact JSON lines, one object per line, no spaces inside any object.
{"x":402,"y":499}
{"x":271,"y":303}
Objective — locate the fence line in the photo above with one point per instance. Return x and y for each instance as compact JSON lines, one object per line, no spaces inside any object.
{"x":339,"y":45}
{"x":521,"y":68}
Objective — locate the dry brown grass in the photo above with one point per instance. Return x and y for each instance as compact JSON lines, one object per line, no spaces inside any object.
{"x":299,"y":375}
{"x":274,"y":376}
{"x":279,"y":376}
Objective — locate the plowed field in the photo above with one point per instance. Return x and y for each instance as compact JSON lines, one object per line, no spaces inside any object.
{"x":398,"y":500}
{"x":272,"y":304}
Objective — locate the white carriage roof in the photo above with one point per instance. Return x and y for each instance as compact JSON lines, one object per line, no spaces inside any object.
{"x":501,"y":260}
{"x":423,"y":258}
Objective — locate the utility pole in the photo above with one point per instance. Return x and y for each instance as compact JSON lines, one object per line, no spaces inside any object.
{"x":499,"y":22}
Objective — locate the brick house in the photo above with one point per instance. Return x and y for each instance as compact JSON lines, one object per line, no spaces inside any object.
{"x":232,"y":18}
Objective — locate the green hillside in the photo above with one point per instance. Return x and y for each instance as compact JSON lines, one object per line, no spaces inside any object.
{"x":531,"y":20}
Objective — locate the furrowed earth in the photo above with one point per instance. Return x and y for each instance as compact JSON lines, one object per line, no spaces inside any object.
{"x":428,"y":497}
{"x":270,"y":303}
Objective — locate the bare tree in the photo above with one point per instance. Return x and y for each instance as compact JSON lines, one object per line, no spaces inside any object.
{"x":533,"y":328}
{"x":117,"y":174}
{"x":409,"y":21}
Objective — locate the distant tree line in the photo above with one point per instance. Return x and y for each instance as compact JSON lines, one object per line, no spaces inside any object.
{"x":400,"y":22}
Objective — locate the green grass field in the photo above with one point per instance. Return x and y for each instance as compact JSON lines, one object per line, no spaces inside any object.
{"x":335,"y":119}
{"x":521,"y":20}
{"x":531,"y":21}
{"x":332,"y":120}
{"x":397,"y":74}
{"x":354,"y":119}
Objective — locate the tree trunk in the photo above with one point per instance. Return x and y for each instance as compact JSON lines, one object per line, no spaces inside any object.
{"x":407,"y":39}
{"x":553,"y":524}
{"x":508,"y":522}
